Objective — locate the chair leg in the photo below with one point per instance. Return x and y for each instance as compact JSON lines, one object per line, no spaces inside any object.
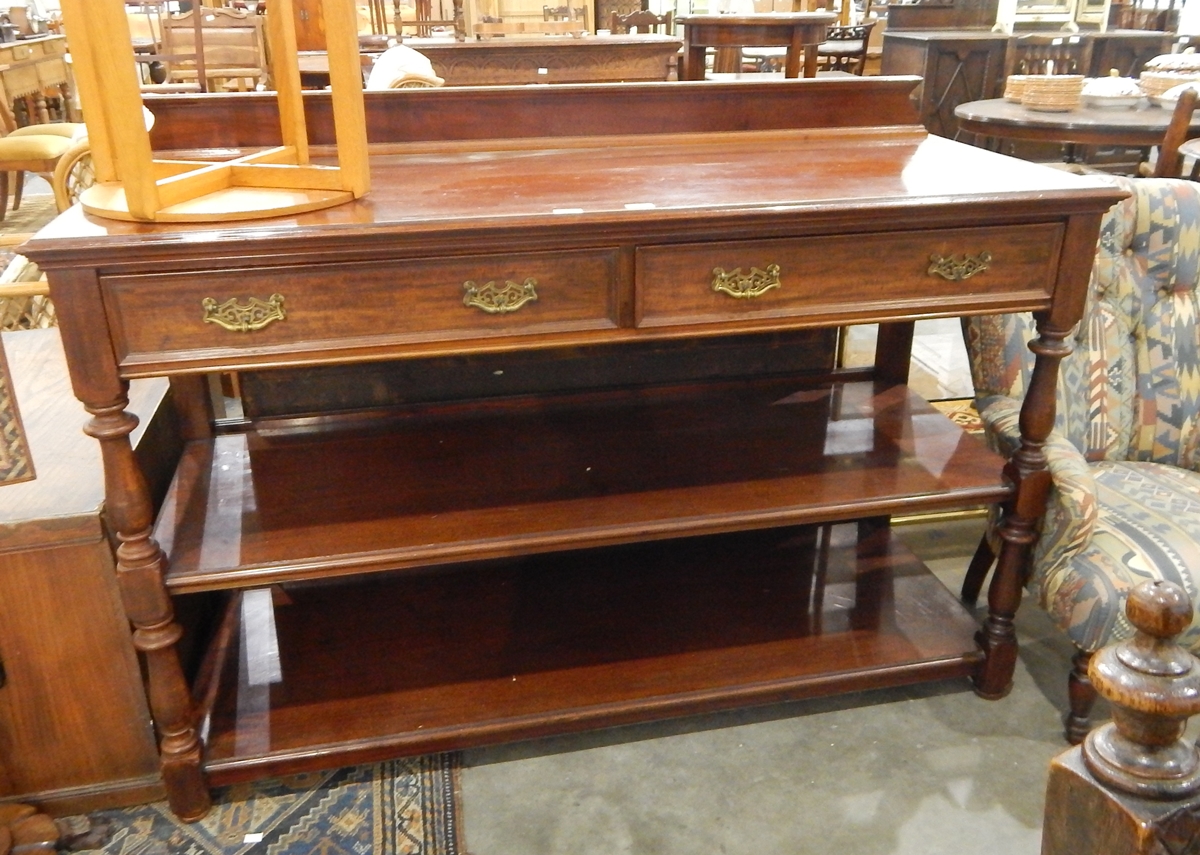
{"x":18,"y":188}
{"x":1082,"y":697}
{"x":977,"y":571}
{"x":3,"y":195}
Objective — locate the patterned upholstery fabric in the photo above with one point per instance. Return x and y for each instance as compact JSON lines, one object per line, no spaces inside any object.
{"x":1124,"y":453}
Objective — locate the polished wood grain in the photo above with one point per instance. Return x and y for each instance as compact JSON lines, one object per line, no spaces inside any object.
{"x":304,"y":500}
{"x":455,"y":483}
{"x":251,"y":120}
{"x":583,"y":639}
{"x":833,"y":273}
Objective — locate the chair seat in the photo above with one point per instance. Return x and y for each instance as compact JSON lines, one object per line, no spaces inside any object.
{"x":1147,"y":527}
{"x":50,"y":129}
{"x":840,"y":48}
{"x":32,"y":147}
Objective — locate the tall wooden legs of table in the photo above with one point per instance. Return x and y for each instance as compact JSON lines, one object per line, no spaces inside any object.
{"x":139,"y":560}
{"x":1028,"y":470}
{"x":140,"y":567}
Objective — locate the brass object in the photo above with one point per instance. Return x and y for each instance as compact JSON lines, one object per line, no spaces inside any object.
{"x":236,"y":317}
{"x":958,"y":269}
{"x":496,"y":301}
{"x":742,"y":285}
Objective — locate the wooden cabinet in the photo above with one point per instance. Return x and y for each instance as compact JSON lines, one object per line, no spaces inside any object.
{"x":75,"y":730}
{"x":434,"y":568}
{"x":310,"y":24}
{"x":955,"y":66}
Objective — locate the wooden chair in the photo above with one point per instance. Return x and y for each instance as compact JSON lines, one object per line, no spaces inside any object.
{"x":72,"y":175}
{"x":1048,"y":53}
{"x":33,"y":148}
{"x":642,"y":22}
{"x":845,"y":48}
{"x":231,"y":49}
{"x":566,"y":13}
{"x":1170,"y":162}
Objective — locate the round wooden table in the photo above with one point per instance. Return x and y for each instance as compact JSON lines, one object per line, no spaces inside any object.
{"x":799,"y":32}
{"x":1140,"y":127}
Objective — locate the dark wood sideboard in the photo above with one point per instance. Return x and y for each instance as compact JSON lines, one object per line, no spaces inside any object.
{"x":455,"y":566}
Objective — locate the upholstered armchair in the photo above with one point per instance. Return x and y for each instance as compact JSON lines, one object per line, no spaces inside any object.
{"x":1124,"y":455}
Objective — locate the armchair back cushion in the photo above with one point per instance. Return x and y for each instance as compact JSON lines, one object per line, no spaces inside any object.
{"x":1131,"y":388}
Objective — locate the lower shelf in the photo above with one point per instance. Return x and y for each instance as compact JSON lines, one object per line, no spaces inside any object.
{"x":359,"y":670}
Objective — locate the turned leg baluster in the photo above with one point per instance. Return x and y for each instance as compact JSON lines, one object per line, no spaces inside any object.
{"x":1018,"y":530}
{"x":140,"y":567}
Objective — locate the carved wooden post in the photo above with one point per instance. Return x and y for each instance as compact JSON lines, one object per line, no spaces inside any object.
{"x":1029,"y":474}
{"x":140,"y":568}
{"x":1028,"y":470}
{"x":1133,"y":787}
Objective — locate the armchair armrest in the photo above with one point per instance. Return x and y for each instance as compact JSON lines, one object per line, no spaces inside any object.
{"x":1071,"y":512}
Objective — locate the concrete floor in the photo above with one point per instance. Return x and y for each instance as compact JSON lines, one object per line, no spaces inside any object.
{"x":928,"y":769}
{"x":920,"y":770}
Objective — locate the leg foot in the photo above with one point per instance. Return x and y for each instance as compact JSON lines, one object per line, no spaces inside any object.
{"x":1082,"y":696}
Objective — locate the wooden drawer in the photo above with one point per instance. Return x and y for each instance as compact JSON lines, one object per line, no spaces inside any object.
{"x":21,"y":81}
{"x":160,"y":318}
{"x":819,"y":277}
{"x":52,"y":72}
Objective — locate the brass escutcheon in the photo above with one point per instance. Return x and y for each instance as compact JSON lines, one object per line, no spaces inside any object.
{"x":496,"y":301}
{"x":742,"y":285}
{"x":958,"y":269}
{"x":238,"y":317}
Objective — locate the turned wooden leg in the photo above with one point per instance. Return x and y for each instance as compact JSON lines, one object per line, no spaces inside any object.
{"x":3,"y":195}
{"x":977,"y":571}
{"x":18,"y":189}
{"x":1028,"y":473}
{"x":1082,"y":697}
{"x":998,"y":637}
{"x":140,"y":568}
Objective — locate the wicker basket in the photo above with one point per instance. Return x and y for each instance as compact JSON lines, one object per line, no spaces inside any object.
{"x":1155,"y":83}
{"x":1058,"y":93}
{"x":1014,"y":87}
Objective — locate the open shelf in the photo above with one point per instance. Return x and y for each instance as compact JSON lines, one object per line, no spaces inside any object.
{"x":458,"y":482}
{"x":520,"y":648}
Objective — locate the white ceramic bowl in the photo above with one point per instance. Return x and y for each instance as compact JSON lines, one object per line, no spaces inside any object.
{"x":1112,"y":102}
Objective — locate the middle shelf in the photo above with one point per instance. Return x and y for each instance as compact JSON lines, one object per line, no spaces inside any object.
{"x":442,"y":483}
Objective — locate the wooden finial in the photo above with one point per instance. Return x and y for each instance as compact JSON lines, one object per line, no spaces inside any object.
{"x":1153,"y":685}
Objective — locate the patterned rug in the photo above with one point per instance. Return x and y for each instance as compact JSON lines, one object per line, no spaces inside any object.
{"x":961,"y":411}
{"x":35,"y":211}
{"x":401,"y":807}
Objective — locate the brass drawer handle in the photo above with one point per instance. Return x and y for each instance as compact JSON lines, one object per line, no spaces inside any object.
{"x":958,"y":269}
{"x":236,"y":317}
{"x":496,"y":301}
{"x":741,"y":285}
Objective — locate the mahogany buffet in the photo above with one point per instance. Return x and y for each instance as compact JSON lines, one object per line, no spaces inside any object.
{"x":467,"y":518}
